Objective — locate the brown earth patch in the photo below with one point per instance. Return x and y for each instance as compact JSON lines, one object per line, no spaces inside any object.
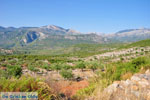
{"x":71,"y":89}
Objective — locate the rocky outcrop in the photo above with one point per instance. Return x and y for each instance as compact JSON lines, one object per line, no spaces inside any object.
{"x":31,"y":36}
{"x":136,"y":88}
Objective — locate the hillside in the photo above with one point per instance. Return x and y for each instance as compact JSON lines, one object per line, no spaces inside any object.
{"x":142,"y":43}
{"x":95,"y":50}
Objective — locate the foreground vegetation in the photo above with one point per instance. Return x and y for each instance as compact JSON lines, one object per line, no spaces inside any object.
{"x":114,"y":72}
{"x":26,"y":84}
{"x":105,"y":70}
{"x":107,"y":73}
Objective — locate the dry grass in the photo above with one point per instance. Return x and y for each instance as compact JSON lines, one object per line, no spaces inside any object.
{"x":126,"y":75}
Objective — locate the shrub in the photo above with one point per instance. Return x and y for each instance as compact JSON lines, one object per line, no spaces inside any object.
{"x":66,"y":74}
{"x":141,"y":53}
{"x":26,"y":84}
{"x":3,"y":74}
{"x":95,"y":58}
{"x":56,"y":66}
{"x":139,"y":61}
{"x":66,"y":67}
{"x":81,"y":65}
{"x":93,"y":66}
{"x":14,"y":71}
{"x":31,"y":68}
{"x":121,"y":59}
{"x":45,"y":66}
{"x":142,"y":49}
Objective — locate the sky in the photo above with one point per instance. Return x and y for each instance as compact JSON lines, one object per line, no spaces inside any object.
{"x":106,"y":16}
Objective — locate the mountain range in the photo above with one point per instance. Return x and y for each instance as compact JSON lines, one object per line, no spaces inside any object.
{"x":51,"y":36}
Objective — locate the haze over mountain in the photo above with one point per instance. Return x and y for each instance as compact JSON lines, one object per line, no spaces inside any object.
{"x":51,"y":36}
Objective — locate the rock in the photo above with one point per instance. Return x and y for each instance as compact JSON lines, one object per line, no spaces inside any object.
{"x":112,"y":88}
{"x":128,"y":82}
{"x":144,"y":83}
{"x":135,"y":78}
{"x":148,"y":96}
{"x":147,"y":72}
{"x":102,"y":69}
{"x":25,"y":70}
{"x":78,"y":79}
{"x":137,"y":88}
{"x":44,"y":74}
{"x":40,"y":73}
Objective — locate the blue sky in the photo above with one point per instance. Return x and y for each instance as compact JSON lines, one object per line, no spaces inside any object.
{"x":83,"y":15}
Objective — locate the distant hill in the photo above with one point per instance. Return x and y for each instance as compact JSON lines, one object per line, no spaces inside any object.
{"x":130,"y":35}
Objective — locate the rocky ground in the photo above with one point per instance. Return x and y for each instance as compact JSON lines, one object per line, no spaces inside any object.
{"x":126,"y":54}
{"x":54,"y":75}
{"x":136,"y":88}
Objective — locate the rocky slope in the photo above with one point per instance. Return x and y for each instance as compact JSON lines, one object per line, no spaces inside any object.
{"x":136,"y":88}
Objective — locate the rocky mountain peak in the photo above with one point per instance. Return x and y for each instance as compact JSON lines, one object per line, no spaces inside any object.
{"x":52,"y":27}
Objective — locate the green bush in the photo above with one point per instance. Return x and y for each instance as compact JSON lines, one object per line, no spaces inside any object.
{"x":31,"y":68}
{"x":139,"y":61}
{"x":56,"y":66}
{"x":3,"y":74}
{"x":81,"y":65}
{"x":14,"y":71}
{"x":66,"y":74}
{"x":121,"y":58}
{"x":45,"y":66}
{"x":66,"y":67}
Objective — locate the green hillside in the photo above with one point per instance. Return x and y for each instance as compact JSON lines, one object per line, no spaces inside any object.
{"x":142,"y":43}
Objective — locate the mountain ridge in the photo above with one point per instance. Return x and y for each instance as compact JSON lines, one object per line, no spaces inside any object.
{"x":52,"y":36}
